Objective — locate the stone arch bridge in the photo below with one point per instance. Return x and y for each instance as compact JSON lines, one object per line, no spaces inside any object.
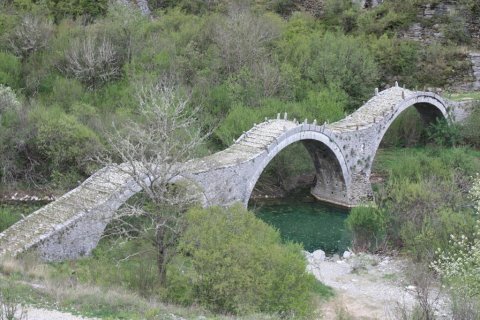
{"x":342,"y":152}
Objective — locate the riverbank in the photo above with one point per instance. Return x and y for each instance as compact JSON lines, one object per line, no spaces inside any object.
{"x":375,"y":287}
{"x":366,"y":287}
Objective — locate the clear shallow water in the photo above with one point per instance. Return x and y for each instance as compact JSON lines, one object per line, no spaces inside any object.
{"x":316,"y":225}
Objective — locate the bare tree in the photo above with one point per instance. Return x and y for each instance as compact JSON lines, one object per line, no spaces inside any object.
{"x":32,"y":34}
{"x":154,"y":152}
{"x":242,"y":37}
{"x":92,"y":60}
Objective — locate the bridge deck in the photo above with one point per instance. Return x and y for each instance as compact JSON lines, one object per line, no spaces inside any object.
{"x":95,"y":191}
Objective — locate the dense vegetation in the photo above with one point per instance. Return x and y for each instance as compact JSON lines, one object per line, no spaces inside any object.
{"x":70,"y":75}
{"x":73,"y":69}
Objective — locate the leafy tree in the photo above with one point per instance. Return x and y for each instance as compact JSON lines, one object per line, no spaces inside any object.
{"x":240,"y":264}
{"x":88,"y":9}
{"x":346,"y":62}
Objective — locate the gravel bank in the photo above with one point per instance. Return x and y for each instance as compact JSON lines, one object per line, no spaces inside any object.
{"x":370,"y":287}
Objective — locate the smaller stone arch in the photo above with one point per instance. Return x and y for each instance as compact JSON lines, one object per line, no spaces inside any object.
{"x":429,"y":105}
{"x":331,"y":170}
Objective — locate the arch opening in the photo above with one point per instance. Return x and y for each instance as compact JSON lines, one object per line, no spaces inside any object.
{"x":315,"y":173}
{"x":310,"y":164}
{"x":408,"y":129}
{"x":291,"y":169}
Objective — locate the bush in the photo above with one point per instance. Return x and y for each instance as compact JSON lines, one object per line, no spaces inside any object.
{"x":9,"y":70}
{"x":368,"y":225}
{"x":8,"y":100}
{"x":435,"y":232}
{"x":344,"y":62}
{"x":89,"y":9}
{"x":63,"y":144}
{"x":424,"y":198}
{"x":470,"y":129}
{"x":65,"y":92}
{"x":240,"y":264}
{"x":30,"y":36}
{"x":282,"y":7}
{"x":92,"y":60}
{"x":324,"y":105}
{"x":242,"y":37}
{"x":457,"y":30}
{"x":459,"y":265}
{"x":403,"y":67}
{"x":443,"y":133}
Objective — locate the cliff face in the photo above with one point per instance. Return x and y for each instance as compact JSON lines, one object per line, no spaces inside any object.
{"x":141,"y":4}
{"x":444,"y":21}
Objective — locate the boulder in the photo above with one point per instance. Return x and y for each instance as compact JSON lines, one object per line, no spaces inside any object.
{"x":318,"y":256}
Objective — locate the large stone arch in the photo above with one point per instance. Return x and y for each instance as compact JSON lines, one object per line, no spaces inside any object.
{"x":331,"y":170}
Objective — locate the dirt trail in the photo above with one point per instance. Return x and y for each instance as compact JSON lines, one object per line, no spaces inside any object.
{"x":32,"y":313}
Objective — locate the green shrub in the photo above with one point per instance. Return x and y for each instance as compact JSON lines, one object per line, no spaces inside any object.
{"x":437,"y":64}
{"x":62,"y":143}
{"x":344,"y":62}
{"x":470,"y":129}
{"x":324,"y":105}
{"x":456,"y":30}
{"x":241,"y":265}
{"x":9,"y":70}
{"x":368,"y":225}
{"x":443,"y":133}
{"x":435,"y":233}
{"x":282,"y":7}
{"x":403,"y":67}
{"x":65,"y":92}
{"x":424,"y":197}
{"x":77,"y":8}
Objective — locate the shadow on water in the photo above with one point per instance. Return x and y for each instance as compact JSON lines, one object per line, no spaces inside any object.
{"x":301,"y":218}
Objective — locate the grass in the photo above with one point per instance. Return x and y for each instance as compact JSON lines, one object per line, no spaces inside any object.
{"x":94,"y":301}
{"x":107,"y":287}
{"x":459,"y":96}
{"x":11,"y":213}
{"x":414,"y":163}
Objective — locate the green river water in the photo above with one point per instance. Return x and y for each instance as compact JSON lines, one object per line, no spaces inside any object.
{"x":305,"y":220}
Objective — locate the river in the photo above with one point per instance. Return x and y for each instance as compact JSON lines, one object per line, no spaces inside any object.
{"x":303,"y":219}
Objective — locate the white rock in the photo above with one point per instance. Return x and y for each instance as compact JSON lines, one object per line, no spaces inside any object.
{"x":318,"y":255}
{"x":347,"y":254}
{"x":411,"y":288}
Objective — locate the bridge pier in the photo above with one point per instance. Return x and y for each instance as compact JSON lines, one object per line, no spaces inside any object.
{"x":330,"y":185}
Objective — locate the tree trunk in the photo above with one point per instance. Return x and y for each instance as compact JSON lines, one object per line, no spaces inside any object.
{"x":161,"y":253}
